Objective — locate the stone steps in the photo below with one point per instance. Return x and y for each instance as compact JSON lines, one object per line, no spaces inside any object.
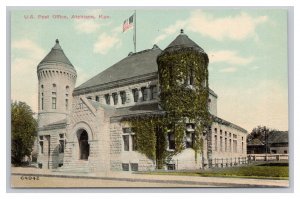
{"x":77,"y":166}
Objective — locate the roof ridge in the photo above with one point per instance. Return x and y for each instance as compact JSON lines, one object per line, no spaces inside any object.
{"x":155,"y":47}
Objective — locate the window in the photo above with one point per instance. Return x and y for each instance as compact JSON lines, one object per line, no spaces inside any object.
{"x":67,"y":89}
{"x":126,"y":142}
{"x":97,"y":98}
{"x":220,"y":132}
{"x":234,"y":136}
{"x":125,"y":167}
{"x":133,"y":138}
{"x":144,"y":93}
{"x":53,"y":85}
{"x":226,"y":145}
{"x":225,"y":133}
{"x":134,"y":166}
{"x":62,"y":142}
{"x":190,"y":139}
{"x":216,"y":142}
{"x":191,"y":82}
{"x":89,"y":97}
{"x":41,"y":147}
{"x":153,"y":90}
{"x":190,"y":127}
{"x":171,"y":167}
{"x":242,"y":147}
{"x":135,"y":93}
{"x":171,"y":75}
{"x":273,"y":151}
{"x":171,"y":140}
{"x":190,"y":135}
{"x":230,"y":150}
{"x":190,"y":76}
{"x":107,"y":99}
{"x":115,"y":98}
{"x":41,"y":142}
{"x":234,"y":146}
{"x":285,"y":152}
{"x":221,"y":143}
{"x":216,"y":130}
{"x":42,"y":101}
{"x":129,"y":140}
{"x":53,"y":102}
{"x":67,"y":104}
{"x":123,"y":96}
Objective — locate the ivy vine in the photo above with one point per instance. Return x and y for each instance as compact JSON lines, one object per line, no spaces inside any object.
{"x":184,"y":92}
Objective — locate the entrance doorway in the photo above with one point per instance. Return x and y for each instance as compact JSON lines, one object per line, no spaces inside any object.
{"x":84,"y":147}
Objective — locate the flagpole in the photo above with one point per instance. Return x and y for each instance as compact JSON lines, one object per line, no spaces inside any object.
{"x":134,"y":36}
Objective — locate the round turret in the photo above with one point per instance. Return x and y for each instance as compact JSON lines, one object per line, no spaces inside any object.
{"x":183,"y":78}
{"x":57,"y":78}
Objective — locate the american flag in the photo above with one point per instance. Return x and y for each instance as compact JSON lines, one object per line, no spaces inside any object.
{"x":128,"y":23}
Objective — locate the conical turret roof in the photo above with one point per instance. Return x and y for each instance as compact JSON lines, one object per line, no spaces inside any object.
{"x":182,"y":41}
{"x":57,"y":55}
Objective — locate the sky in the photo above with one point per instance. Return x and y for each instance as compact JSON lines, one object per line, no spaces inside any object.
{"x":247,"y":51}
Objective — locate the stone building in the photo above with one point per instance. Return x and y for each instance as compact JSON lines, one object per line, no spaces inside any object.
{"x":81,"y":129}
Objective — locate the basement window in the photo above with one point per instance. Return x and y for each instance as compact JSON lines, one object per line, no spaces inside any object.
{"x":125,"y":167}
{"x":171,"y":167}
{"x":134,"y":166}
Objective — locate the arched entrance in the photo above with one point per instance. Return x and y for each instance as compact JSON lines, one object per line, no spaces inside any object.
{"x":84,"y":146}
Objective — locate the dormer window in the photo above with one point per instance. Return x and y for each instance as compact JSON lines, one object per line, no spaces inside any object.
{"x":153,"y":90}
{"x":135,"y":94}
{"x":123,"y":96}
{"x":107,"y":99}
{"x":144,"y":92}
{"x":115,"y":98}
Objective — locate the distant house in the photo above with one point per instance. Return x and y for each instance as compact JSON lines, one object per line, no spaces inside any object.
{"x":277,"y":143}
{"x":255,"y":146}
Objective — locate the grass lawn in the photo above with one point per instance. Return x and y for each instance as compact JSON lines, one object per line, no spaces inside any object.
{"x":263,"y":171}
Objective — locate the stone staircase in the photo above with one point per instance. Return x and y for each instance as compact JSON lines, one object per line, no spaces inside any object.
{"x":76,"y":166}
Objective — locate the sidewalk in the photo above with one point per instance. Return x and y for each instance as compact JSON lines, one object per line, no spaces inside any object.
{"x":166,"y":179}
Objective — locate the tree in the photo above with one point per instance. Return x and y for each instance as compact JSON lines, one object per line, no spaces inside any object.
{"x":23,"y":131}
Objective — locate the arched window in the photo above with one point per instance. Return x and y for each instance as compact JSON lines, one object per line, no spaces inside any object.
{"x":54,"y":85}
{"x":67,"y":89}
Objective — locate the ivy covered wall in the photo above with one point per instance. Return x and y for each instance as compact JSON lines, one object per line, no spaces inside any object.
{"x":184,"y":92}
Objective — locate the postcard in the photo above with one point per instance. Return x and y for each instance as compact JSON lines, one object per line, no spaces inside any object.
{"x":149,"y":97}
